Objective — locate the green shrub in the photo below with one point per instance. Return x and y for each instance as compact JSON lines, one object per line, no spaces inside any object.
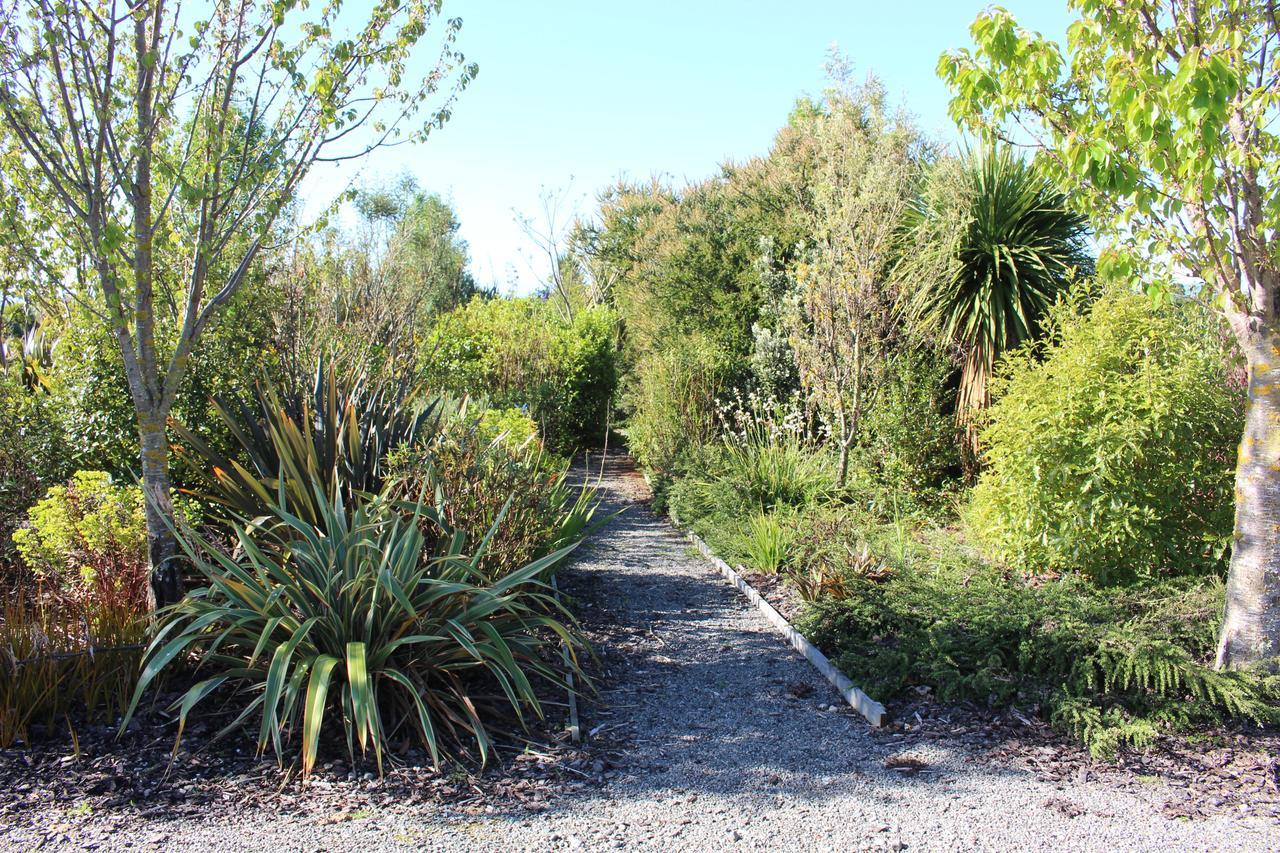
{"x":521,"y":353}
{"x":1110,"y":451}
{"x":1114,"y":666}
{"x":517,"y":496}
{"x":909,"y":458}
{"x":93,"y":397}
{"x":670,"y":400}
{"x":512,"y":426}
{"x":354,"y":624}
{"x":33,"y":453}
{"x":86,"y":541}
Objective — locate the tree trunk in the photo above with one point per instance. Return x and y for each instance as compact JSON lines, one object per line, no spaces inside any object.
{"x":843,"y":473}
{"x":166,"y":578}
{"x":1251,"y":621}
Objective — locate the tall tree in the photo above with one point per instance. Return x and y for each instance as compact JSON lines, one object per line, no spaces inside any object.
{"x":168,"y":146}
{"x":1160,"y":120}
{"x":994,"y":244}
{"x":865,"y":175}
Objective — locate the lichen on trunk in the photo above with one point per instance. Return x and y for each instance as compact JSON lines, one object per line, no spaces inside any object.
{"x":1251,"y":620}
{"x":166,"y":578}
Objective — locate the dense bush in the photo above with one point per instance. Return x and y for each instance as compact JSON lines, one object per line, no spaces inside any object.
{"x":520,"y":352}
{"x":909,"y":459}
{"x":515,"y":495}
{"x":1110,"y":450}
{"x":670,"y":401}
{"x":360,"y":624}
{"x":1113,"y":666}
{"x":93,"y":398}
{"x":87,"y":539}
{"x":33,"y":453}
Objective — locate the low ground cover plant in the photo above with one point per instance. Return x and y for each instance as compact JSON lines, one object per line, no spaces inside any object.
{"x":1114,"y":667}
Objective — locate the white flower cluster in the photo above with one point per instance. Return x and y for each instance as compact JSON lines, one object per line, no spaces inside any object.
{"x":755,"y":419}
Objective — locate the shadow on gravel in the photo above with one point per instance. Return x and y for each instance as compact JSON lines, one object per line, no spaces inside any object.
{"x":697,"y":694}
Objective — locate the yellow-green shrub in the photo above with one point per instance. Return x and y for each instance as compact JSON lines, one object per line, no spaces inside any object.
{"x":1110,"y":449}
{"x":521,"y":353}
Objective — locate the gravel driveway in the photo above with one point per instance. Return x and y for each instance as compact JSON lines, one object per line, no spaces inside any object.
{"x":717,"y":736}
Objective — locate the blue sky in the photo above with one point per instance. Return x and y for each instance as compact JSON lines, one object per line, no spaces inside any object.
{"x":571,"y":95}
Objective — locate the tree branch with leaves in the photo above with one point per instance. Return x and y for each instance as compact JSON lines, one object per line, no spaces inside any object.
{"x":165,"y":147}
{"x":1159,"y":120}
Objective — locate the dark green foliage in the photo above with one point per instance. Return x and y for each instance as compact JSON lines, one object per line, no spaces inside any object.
{"x":357,"y":623}
{"x":1110,"y":450}
{"x":34,"y":453}
{"x":333,"y":441}
{"x":93,"y":399}
{"x":1113,"y":666}
{"x":996,"y":245}
{"x":909,"y":460}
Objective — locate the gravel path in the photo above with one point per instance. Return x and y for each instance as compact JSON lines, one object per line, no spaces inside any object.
{"x":708,"y":746}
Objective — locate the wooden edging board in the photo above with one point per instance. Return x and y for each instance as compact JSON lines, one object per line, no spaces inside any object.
{"x":859,"y":701}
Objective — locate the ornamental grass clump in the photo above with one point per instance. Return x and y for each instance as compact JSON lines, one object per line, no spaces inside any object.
{"x":356,"y":624}
{"x":768,"y":541}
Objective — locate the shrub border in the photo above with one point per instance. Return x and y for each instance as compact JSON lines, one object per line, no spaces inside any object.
{"x":859,"y":701}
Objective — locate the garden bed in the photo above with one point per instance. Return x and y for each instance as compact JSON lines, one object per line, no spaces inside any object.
{"x":56,"y":785}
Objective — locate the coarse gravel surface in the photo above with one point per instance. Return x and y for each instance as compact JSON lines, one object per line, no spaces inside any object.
{"x":713,"y":734}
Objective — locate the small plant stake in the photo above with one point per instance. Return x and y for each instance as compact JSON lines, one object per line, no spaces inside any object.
{"x":575,"y":728}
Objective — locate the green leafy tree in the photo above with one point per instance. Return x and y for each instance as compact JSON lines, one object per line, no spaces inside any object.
{"x":163,"y":149}
{"x":368,"y":295}
{"x":1159,"y":119}
{"x":867,"y":170}
{"x":994,"y":245}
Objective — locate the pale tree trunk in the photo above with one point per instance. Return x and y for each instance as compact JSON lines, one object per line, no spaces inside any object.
{"x":166,"y":576}
{"x":1251,"y":620}
{"x":843,"y":472}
